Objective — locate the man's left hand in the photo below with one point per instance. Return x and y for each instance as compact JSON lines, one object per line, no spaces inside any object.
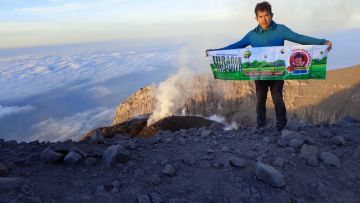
{"x":329,"y":45}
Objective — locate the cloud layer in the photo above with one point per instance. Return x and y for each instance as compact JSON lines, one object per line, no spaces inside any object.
{"x":10,"y":110}
{"x":33,"y":74}
{"x":72,"y":127}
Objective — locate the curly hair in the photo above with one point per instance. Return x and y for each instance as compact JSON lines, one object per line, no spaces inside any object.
{"x":263,"y":6}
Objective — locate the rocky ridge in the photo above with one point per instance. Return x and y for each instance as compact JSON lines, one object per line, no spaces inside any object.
{"x":313,"y":101}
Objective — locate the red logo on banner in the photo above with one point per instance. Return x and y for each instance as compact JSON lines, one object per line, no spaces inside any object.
{"x":300,"y":59}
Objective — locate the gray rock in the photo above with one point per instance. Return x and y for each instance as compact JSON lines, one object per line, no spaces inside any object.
{"x":115,"y":183}
{"x":209,"y":157}
{"x":168,"y":140}
{"x":205,"y":133}
{"x":266,"y":139}
{"x":307,"y":151}
{"x":295,"y":143}
{"x":102,"y":191}
{"x":181,"y":141}
{"x":10,"y":184}
{"x":237,"y":162}
{"x":350,"y":119}
{"x":96,"y":138}
{"x":169,"y":170}
{"x":210,"y":151}
{"x":189,"y":160}
{"x":50,"y":156}
{"x":338,"y":140}
{"x":225,"y":149}
{"x":347,"y":121}
{"x":289,"y":135}
{"x":269,"y":175}
{"x":278,"y":162}
{"x":155,"y":180}
{"x":216,"y":165}
{"x":330,"y":159}
{"x":4,"y":171}
{"x":114,"y":154}
{"x":155,"y":198}
{"x":312,"y":161}
{"x":295,"y":124}
{"x":309,"y":140}
{"x":325,"y":133}
{"x":282,"y":143}
{"x":91,"y":161}
{"x":114,"y":190}
{"x":144,"y":199}
{"x":74,"y":156}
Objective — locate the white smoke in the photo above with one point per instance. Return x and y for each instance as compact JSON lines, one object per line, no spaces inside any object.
{"x":171,"y":94}
{"x":233,"y":126}
{"x":217,"y":118}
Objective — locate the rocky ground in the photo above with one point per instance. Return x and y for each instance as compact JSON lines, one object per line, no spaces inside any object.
{"x":304,"y":163}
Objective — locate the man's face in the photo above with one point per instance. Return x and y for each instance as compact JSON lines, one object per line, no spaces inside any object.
{"x":264,"y":19}
{"x":298,"y":61}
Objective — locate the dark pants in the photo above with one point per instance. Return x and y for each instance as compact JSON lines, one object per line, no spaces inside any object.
{"x":276,"y":88}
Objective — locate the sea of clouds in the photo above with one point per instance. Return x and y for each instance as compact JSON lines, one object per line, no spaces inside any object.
{"x":29,"y":75}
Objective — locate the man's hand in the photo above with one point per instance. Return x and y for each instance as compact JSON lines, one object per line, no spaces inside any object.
{"x":329,"y":45}
{"x":206,"y":52}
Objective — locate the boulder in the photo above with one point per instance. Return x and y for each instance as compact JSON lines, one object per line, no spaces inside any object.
{"x":114,"y":154}
{"x":330,"y":159}
{"x":169,"y":170}
{"x":307,"y":151}
{"x":50,"y":156}
{"x":269,"y":175}
{"x":338,"y":140}
{"x":237,"y":162}
{"x":74,"y":156}
{"x":295,"y":143}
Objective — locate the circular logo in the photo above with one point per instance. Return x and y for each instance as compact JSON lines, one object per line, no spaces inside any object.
{"x":299,"y":60}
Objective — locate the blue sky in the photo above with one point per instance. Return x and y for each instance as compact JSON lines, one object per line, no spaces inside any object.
{"x":41,"y":22}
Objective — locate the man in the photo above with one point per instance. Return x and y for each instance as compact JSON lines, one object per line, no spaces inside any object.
{"x":268,"y":33}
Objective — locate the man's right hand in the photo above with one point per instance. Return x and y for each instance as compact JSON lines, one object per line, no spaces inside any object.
{"x":329,"y":44}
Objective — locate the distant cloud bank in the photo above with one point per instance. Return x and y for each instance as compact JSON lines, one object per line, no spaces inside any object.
{"x":72,"y":127}
{"x":34,"y":74}
{"x":10,"y":110}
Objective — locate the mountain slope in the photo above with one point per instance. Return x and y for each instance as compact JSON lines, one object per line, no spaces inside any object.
{"x":312,"y":100}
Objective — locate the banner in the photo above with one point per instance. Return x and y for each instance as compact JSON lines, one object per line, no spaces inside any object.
{"x":270,"y":63}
